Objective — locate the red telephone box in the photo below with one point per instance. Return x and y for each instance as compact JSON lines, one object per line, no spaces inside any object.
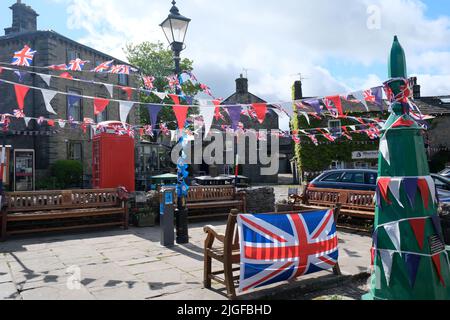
{"x":113,"y":162}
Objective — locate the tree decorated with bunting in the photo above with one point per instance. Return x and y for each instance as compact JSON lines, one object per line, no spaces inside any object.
{"x":408,"y":256}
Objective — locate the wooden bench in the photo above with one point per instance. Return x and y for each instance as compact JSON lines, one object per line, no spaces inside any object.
{"x":203,"y":199}
{"x":228,"y":254}
{"x":358,"y":204}
{"x":47,"y":211}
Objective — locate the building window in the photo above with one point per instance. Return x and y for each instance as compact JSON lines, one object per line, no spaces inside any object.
{"x":123,"y":79}
{"x":74,"y":105}
{"x":337,"y":165}
{"x":72,"y":55}
{"x":335,"y":127}
{"x":102,"y":117}
{"x":75,"y":151}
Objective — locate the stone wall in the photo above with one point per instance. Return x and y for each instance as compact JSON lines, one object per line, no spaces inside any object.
{"x":260,"y":200}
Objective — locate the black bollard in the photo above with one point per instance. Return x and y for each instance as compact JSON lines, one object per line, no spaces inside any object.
{"x":167,"y":209}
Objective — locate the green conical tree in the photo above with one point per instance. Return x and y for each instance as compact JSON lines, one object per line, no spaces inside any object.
{"x":404,"y":211}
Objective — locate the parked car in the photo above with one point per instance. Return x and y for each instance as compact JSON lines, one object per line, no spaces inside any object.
{"x":443,"y":187}
{"x":364,"y":180}
{"x":445,"y":172}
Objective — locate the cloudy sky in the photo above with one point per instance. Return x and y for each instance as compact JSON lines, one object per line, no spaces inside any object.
{"x":338,"y":46}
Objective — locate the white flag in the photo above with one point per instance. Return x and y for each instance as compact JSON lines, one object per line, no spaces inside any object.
{"x":161,"y":95}
{"x":283,"y":121}
{"x":353,"y":128}
{"x":307,"y":117}
{"x":393,"y":231}
{"x":48,"y":97}
{"x":27,"y":121}
{"x":394,"y":186}
{"x":110,"y":89}
{"x":46,"y":78}
{"x":62,"y":123}
{"x":384,"y":149}
{"x":387,"y":258}
{"x":207,"y":112}
{"x":359,"y":95}
{"x":432,"y":188}
{"x":125,"y":108}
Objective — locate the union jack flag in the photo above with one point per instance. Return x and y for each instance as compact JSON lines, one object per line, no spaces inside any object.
{"x":19,"y":113}
{"x":23,"y":57}
{"x":76,"y":65}
{"x":369,"y":96}
{"x":148,"y":82}
{"x":121,"y":69}
{"x":276,"y":248}
{"x":313,"y":139}
{"x":58,"y":67}
{"x":103,"y":66}
{"x":331,"y":107}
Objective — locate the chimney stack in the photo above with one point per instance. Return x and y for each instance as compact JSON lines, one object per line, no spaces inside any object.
{"x":416,"y":88}
{"x":242,"y":85}
{"x":24,"y":19}
{"x":298,"y":90}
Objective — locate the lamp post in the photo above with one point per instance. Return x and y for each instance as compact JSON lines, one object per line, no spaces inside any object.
{"x":175,"y":28}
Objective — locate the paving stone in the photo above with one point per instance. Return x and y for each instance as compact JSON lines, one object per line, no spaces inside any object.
{"x":8,"y":291}
{"x":194,"y":294}
{"x":134,"y":262}
{"x":59,"y":292}
{"x":184,"y":263}
{"x":131,"y":291}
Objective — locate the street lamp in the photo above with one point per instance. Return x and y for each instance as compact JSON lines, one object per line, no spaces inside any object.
{"x":175,"y":28}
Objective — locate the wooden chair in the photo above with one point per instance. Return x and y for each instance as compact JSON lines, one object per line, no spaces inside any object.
{"x":228,"y":254}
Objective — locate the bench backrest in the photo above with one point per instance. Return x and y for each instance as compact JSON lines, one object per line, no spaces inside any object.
{"x":231,"y":242}
{"x":211,"y":193}
{"x":65,"y":199}
{"x":349,"y":199}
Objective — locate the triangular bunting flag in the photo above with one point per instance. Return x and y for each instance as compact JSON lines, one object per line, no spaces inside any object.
{"x":161,"y":95}
{"x":337,"y":103}
{"x":383,"y":186}
{"x":66,"y":75}
{"x":394,"y":186}
{"x":378,"y":93}
{"x":315,"y":103}
{"x":384,"y":149}
{"x":437,"y":264}
{"x":21,"y":92}
{"x":235,"y":115}
{"x":207,"y":112}
{"x":283,"y":121}
{"x":418,"y":226}
{"x":129,"y":92}
{"x":387,"y":258}
{"x":175,"y":98}
{"x":410,"y":185}
{"x":62,"y":123}
{"x":432,"y":188}
{"x":48,"y":97}
{"x":124,"y":109}
{"x":424,"y":191}
{"x":307,"y":117}
{"x":46,"y":78}
{"x":412,"y":262}
{"x":375,"y":239}
{"x":153,"y":112}
{"x":393,"y":231}
{"x":100,"y":105}
{"x":401,"y":122}
{"x":110,"y":88}
{"x":359,"y":95}
{"x":181,"y":115}
{"x":27,"y":121}
{"x":261,"y":111}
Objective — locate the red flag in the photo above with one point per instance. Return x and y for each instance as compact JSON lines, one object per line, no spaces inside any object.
{"x":51,"y":123}
{"x":402,"y":123}
{"x":217,"y":115}
{"x":437,"y":264}
{"x":337,"y":103}
{"x":180,"y":111}
{"x":66,"y":75}
{"x":383,"y":185}
{"x":129,"y":91}
{"x":21,"y":92}
{"x":261,"y":110}
{"x":100,"y":105}
{"x":418,"y":226}
{"x":424,"y":191}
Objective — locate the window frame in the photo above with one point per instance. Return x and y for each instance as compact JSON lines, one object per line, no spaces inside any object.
{"x":77,"y":92}
{"x":71,"y":150}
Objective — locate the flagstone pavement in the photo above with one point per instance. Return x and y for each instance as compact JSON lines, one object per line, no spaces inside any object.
{"x":131,"y":264}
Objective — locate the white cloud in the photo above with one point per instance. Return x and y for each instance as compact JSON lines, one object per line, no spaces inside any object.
{"x":276,"y":39}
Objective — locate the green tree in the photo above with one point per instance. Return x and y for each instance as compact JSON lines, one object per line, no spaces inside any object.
{"x":153,"y":59}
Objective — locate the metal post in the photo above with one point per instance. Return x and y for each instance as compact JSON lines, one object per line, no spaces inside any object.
{"x":182,"y":213}
{"x":167,"y":215}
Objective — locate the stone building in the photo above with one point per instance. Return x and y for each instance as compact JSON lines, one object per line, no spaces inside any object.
{"x":34,"y":148}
